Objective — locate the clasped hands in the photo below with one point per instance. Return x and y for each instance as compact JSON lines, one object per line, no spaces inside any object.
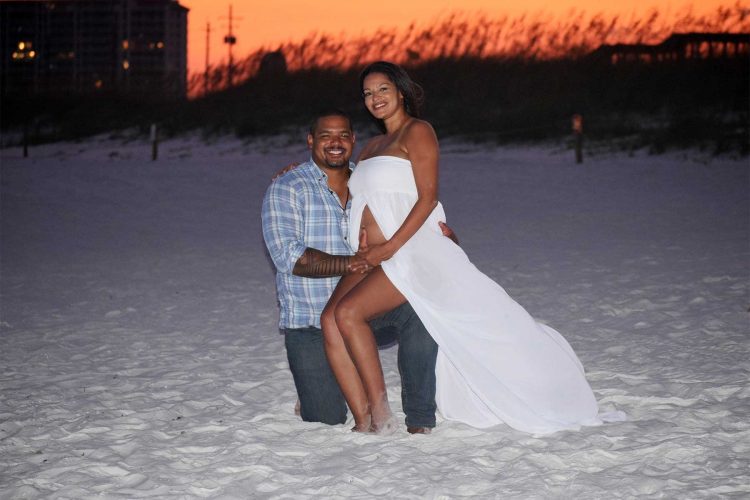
{"x":368,"y":258}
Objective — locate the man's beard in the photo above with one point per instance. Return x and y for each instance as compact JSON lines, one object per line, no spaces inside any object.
{"x":337,"y":164}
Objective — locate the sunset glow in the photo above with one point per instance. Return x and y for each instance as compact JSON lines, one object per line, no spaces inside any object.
{"x":269,"y":24}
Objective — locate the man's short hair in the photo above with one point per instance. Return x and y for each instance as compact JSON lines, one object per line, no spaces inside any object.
{"x":329,"y":112}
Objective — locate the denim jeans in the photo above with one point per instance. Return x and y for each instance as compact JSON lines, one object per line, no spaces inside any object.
{"x":417,"y":352}
{"x":320,"y":397}
{"x":319,"y":394}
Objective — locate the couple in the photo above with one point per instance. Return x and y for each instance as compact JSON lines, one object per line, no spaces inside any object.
{"x":495,"y":364}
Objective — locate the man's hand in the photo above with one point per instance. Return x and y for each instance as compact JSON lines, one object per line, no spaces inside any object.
{"x":448,"y":232}
{"x":362,"y":239}
{"x":364,"y":252}
{"x":376,"y":254}
{"x":358,"y":265}
{"x":316,"y":264}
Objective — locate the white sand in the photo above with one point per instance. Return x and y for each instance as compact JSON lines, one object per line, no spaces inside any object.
{"x":140,"y":356}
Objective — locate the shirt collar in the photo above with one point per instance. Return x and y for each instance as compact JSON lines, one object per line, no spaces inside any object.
{"x":319,"y":174}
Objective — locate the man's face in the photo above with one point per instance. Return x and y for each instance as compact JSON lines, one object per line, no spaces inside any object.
{"x":332,"y":142}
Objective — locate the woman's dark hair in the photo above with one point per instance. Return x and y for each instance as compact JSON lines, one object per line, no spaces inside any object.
{"x":411,"y":90}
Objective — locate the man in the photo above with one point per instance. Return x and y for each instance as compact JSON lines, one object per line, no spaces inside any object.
{"x":305,"y":220}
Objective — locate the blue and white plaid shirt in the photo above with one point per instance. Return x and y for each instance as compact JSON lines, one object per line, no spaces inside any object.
{"x":301,"y":211}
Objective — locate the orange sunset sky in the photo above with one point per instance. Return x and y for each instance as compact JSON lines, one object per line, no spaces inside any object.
{"x":267,"y":23}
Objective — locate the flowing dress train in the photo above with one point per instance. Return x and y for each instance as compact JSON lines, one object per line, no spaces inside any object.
{"x":496,"y":364}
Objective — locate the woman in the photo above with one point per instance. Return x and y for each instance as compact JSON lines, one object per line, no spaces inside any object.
{"x":496,"y":364}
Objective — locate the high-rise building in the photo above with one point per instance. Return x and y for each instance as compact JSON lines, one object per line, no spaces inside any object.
{"x":83,"y":46}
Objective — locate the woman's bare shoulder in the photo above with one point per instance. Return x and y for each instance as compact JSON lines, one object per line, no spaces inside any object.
{"x":418,"y":122}
{"x":419,"y":128}
{"x":419,"y":133}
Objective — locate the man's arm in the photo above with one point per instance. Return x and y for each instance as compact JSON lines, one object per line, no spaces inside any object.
{"x":283,"y":230}
{"x":317,"y":264}
{"x":283,"y":226}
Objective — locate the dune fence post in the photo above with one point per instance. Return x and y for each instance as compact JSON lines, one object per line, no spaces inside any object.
{"x":578,"y":134}
{"x":26,"y":139}
{"x":154,"y":143}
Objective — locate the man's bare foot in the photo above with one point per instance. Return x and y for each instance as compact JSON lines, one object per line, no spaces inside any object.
{"x":419,"y":430}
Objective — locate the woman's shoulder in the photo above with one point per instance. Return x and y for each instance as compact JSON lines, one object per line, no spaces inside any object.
{"x":417,"y":126}
{"x":419,"y":122}
{"x":418,"y":131}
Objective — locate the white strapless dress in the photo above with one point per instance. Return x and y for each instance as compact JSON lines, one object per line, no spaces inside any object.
{"x":495,"y":364}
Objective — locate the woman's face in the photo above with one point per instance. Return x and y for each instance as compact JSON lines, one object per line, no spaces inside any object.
{"x":382,"y":97}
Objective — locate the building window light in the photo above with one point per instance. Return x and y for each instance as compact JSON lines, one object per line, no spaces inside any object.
{"x":98,"y":84}
{"x":159,"y":45}
{"x":24,"y":51}
{"x":126,"y":65}
{"x":126,"y":44}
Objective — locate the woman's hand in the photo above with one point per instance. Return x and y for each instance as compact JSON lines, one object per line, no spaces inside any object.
{"x":285,"y":170}
{"x":376,"y":254}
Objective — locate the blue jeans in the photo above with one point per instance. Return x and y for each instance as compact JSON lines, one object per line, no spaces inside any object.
{"x":319,"y":394}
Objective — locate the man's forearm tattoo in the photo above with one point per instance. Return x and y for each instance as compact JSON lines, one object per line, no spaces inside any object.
{"x":317,"y":264}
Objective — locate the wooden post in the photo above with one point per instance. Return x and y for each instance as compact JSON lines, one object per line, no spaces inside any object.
{"x":154,"y":142}
{"x":578,"y":133}
{"x":25,"y":139}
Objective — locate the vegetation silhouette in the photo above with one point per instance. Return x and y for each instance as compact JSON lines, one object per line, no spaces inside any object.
{"x":486,"y":79}
{"x":456,"y":36}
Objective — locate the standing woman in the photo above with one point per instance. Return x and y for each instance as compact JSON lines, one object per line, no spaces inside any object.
{"x":393,"y":99}
{"x":495,"y":364}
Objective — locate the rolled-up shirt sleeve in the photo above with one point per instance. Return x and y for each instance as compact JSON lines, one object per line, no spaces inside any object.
{"x":283,"y":226}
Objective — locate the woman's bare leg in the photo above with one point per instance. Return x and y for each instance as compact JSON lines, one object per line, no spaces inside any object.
{"x":373,"y":296}
{"x":341,"y":362}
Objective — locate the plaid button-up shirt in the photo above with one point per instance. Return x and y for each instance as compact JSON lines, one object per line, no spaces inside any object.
{"x":301,"y":211}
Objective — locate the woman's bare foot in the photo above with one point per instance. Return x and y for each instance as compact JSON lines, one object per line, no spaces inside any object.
{"x":363,"y":425}
{"x":383,"y":421}
{"x":385,"y":427}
